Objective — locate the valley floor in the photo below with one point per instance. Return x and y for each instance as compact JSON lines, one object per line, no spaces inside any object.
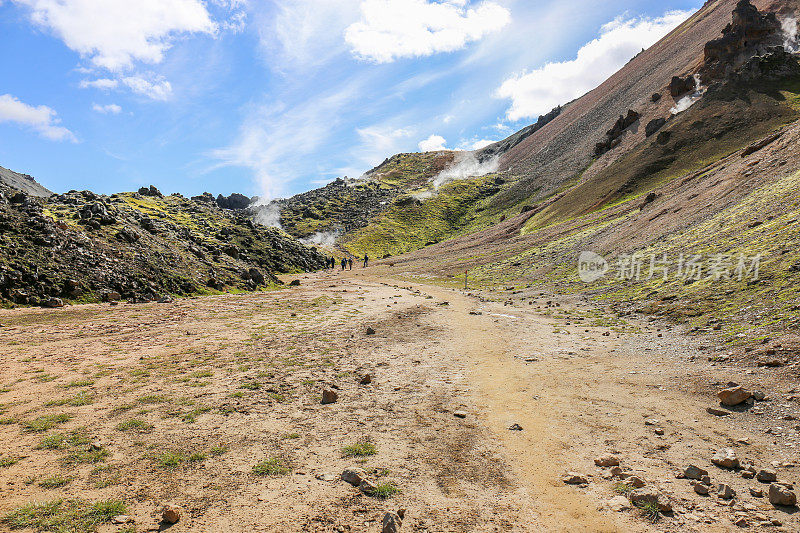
{"x":213,"y":405}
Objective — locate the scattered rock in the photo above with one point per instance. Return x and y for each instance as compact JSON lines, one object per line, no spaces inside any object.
{"x":658,"y":431}
{"x":294,"y":283}
{"x":366,"y":487}
{"x":643,"y":496}
{"x":619,"y":504}
{"x":354,"y":476}
{"x":653,"y":126}
{"x":767,"y":475}
{"x":515,"y":427}
{"x":725,"y":458}
{"x":733,"y":395}
{"x":607,"y":460}
{"x":694,"y":472}
{"x":370,"y":331}
{"x":741,"y":521}
{"x":366,"y":380}
{"x":53,"y":303}
{"x":170,"y":514}
{"x":573,"y":478}
{"x":121,"y":519}
{"x":329,"y":396}
{"x":700,"y":488}
{"x":746,"y":474}
{"x":618,"y":472}
{"x":781,"y":495}
{"x":717,"y":411}
{"x":326,"y":477}
{"x":460,"y":414}
{"x":391,"y":523}
{"x":725,"y":491}
{"x":756,"y":492}
{"x":652,"y":422}
{"x":635,"y":482}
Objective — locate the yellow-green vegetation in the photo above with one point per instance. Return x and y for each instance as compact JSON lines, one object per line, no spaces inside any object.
{"x":44,"y":423}
{"x":271,"y":467}
{"x":73,"y":516}
{"x":384,"y":491}
{"x":135,"y":425}
{"x":360,"y":449}
{"x":54,"y":482}
{"x":410,"y":223}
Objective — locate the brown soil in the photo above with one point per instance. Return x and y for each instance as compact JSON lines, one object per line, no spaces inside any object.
{"x":180,"y":368}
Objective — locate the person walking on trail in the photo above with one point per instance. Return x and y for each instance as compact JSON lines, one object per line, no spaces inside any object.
{"x":349,"y":263}
{"x":366,"y":260}
{"x":344,"y":263}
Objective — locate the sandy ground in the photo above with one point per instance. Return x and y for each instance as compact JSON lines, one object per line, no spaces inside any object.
{"x":187,"y":397}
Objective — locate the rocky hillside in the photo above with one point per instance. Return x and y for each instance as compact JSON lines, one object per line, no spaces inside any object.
{"x":141,"y":246}
{"x":22,"y":182}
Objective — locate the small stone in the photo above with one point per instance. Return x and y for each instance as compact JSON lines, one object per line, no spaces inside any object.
{"x":53,"y":303}
{"x":619,"y":504}
{"x":515,"y":427}
{"x":694,"y":472}
{"x":170,"y":514}
{"x":573,"y":478}
{"x":460,"y":414}
{"x":370,"y":331}
{"x":725,"y":458}
{"x":294,"y":283}
{"x":725,"y":491}
{"x":767,"y":475}
{"x":354,"y":476}
{"x":756,"y":492}
{"x":329,"y":396}
{"x":366,"y":487}
{"x":717,"y":411}
{"x":121,"y":519}
{"x":734,"y":395}
{"x":706,"y":480}
{"x":746,"y":474}
{"x":658,"y":431}
{"x":635,"y":482}
{"x":607,"y":460}
{"x":366,"y":380}
{"x":652,"y":422}
{"x":741,"y":521}
{"x":643,"y":496}
{"x":391,"y":523}
{"x":326,"y":477}
{"x":780,"y":495}
{"x":700,"y":488}
{"x":759,"y":396}
{"x":616,"y":471}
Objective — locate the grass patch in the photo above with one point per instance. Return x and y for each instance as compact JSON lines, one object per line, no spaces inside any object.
{"x":67,"y":516}
{"x":360,"y":449}
{"x":8,"y":461}
{"x":44,"y":423}
{"x":250,"y":385}
{"x":79,"y":383}
{"x":292,"y":436}
{"x":80,"y":399}
{"x":134,"y":424}
{"x":88,"y":456}
{"x":54,"y":482}
{"x":650,"y":511}
{"x":170,"y":459}
{"x":153,"y":398}
{"x":271,"y":467}
{"x":58,"y":441}
{"x":384,"y":491}
{"x":623,"y":488}
{"x":219,"y":450}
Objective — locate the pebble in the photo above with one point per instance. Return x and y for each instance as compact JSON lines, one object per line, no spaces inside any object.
{"x":573,"y":478}
{"x":700,"y":488}
{"x":354,"y":476}
{"x":170,"y":514}
{"x":607,"y":460}
{"x":725,"y":458}
{"x":733,"y":395}
{"x":460,"y":414}
{"x":391,"y":523}
{"x":329,"y":396}
{"x":725,"y":491}
{"x":694,"y":472}
{"x":767,"y":475}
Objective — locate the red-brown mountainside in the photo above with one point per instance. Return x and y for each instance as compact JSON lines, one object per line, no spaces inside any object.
{"x":562,"y":150}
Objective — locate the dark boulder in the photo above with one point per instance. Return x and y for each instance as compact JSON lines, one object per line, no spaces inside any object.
{"x":653,"y":126}
{"x":234,"y":201}
{"x":680,"y":86}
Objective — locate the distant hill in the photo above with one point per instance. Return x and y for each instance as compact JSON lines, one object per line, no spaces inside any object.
{"x":23,"y":182}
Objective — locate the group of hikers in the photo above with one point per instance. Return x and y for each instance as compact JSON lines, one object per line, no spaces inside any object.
{"x":346,"y":262}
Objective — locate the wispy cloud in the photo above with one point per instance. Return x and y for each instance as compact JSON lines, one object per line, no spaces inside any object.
{"x":536,"y":92}
{"x":393,"y":29}
{"x":41,"y":119}
{"x":108,"y":109}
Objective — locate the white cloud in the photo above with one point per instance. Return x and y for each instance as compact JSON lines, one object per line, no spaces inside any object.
{"x":102,"y":83}
{"x":108,"y":109}
{"x":477,"y":145}
{"x":41,"y":119}
{"x":434,"y":143}
{"x":113,"y":34}
{"x":393,"y":29}
{"x":537,"y":92}
{"x":155,"y":88}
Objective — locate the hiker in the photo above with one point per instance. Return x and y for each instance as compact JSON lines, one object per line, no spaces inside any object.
{"x":366,"y":260}
{"x":344,"y":263}
{"x":350,"y":263}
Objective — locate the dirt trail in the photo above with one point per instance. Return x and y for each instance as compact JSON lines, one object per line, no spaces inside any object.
{"x":186,"y":398}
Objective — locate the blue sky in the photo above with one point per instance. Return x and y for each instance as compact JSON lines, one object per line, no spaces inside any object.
{"x":274,"y":98}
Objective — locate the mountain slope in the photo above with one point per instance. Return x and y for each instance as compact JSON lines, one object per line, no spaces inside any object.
{"x":23,"y":182}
